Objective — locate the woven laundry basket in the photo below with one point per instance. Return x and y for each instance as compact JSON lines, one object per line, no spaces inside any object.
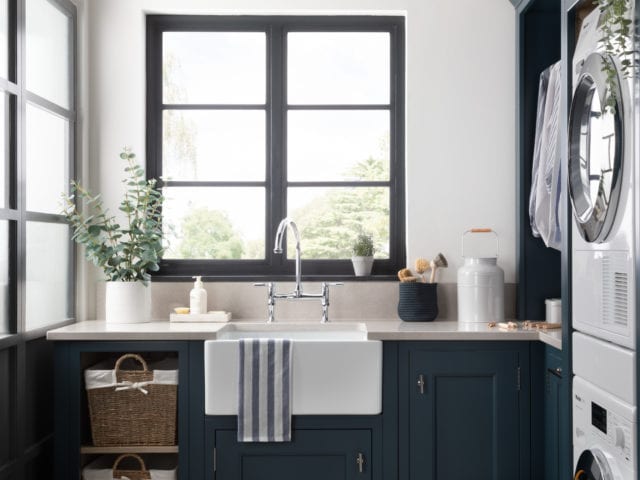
{"x":132,"y":407}
{"x":100,"y":469}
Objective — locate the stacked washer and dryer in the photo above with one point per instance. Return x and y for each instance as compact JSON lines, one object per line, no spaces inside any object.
{"x":602,"y":176}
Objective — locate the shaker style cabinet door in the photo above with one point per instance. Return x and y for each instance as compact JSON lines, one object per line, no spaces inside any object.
{"x":552,"y":388}
{"x":312,"y":455}
{"x":463,"y":414}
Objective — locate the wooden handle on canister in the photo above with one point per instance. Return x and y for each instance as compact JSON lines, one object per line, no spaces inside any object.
{"x":481,"y":230}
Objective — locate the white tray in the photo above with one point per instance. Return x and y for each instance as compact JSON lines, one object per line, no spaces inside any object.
{"x":217,"y":317}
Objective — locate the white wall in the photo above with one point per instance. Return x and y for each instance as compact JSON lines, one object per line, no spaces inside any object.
{"x":460,"y":107}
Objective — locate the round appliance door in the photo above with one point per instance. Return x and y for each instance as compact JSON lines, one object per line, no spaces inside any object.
{"x":596,"y":148}
{"x":593,"y":465}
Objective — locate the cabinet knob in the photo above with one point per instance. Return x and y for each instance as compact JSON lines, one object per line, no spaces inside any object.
{"x":421,"y":384}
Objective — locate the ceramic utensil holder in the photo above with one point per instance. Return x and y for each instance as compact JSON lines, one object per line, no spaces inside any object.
{"x":418,"y":302}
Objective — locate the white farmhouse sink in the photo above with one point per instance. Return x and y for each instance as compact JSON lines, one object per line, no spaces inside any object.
{"x":335,"y":370}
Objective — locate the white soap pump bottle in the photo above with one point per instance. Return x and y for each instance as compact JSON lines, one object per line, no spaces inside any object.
{"x":197,"y":298}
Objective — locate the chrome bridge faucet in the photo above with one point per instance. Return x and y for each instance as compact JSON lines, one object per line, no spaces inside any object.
{"x":297,"y":293}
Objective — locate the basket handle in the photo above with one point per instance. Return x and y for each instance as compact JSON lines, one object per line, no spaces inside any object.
{"x":134,"y":356}
{"x":143,"y":467}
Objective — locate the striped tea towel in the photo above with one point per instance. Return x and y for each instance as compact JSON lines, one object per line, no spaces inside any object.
{"x":264,"y":390}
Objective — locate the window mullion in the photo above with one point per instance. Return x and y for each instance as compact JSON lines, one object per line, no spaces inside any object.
{"x":277,"y":194}
{"x":20,"y":174}
{"x":396,"y":148}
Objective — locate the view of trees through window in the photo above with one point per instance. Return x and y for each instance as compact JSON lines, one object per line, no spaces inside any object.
{"x":197,"y":227}
{"x":270,"y":121}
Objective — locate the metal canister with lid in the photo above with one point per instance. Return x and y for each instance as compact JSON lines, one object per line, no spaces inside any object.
{"x":480,"y":284}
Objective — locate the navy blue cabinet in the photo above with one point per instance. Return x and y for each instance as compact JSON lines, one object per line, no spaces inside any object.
{"x":72,"y":443}
{"x":325,"y":454}
{"x":552,"y":409}
{"x":464,"y":410}
{"x":450,"y":410}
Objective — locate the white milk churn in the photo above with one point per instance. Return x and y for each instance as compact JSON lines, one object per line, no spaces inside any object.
{"x":480,"y":284}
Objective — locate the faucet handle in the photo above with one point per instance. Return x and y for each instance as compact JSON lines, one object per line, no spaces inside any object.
{"x":325,"y":299}
{"x":326,"y":285}
{"x":325,"y":288}
{"x":271,"y":300}
{"x":270,"y":286}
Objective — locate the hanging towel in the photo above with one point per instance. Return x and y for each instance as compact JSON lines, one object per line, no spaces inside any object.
{"x":264,"y":390}
{"x":545,"y":176}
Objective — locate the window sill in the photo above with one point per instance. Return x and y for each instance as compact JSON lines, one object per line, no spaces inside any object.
{"x":275,"y":278}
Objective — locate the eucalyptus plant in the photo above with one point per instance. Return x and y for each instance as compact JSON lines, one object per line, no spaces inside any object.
{"x":124,"y":252}
{"x":616,"y":40}
{"x":363,"y":246}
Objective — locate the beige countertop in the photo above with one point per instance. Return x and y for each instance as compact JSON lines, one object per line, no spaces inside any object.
{"x":377,"y":330}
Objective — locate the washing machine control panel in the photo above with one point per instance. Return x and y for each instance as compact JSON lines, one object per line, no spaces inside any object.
{"x":602,"y":421}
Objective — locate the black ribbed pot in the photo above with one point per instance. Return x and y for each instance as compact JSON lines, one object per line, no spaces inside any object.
{"x":418,"y":302}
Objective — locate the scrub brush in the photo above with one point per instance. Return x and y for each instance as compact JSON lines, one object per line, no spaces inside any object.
{"x":404,"y":273}
{"x":438,"y":262}
{"x":422,"y":265}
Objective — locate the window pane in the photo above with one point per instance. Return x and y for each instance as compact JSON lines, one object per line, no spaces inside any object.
{"x":4,"y":38}
{"x":338,"y":145}
{"x":47,"y":160}
{"x":4,"y":277}
{"x":338,"y":67}
{"x":329,"y":219}
{"x":47,"y":57}
{"x":47,"y":283}
{"x":217,"y":223}
{"x":5,"y":125}
{"x":214,"y":145}
{"x":214,"y":67}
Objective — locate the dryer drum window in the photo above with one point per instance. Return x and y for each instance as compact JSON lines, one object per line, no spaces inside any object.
{"x":596,"y":150}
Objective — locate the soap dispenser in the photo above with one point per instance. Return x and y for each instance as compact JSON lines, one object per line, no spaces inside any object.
{"x":198,"y":297}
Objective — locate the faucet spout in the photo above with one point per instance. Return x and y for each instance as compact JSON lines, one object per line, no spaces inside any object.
{"x":282,"y":228}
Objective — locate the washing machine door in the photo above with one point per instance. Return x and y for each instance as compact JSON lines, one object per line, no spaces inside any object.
{"x":593,"y":465}
{"x":596,"y":148}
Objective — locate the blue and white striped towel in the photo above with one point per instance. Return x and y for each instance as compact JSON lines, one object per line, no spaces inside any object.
{"x":264,"y":390}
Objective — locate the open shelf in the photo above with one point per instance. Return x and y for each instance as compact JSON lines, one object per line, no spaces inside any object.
{"x":90,"y":449}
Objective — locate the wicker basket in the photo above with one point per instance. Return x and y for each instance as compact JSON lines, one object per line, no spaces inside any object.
{"x":141,"y":474}
{"x":102,"y":469}
{"x":132,"y":407}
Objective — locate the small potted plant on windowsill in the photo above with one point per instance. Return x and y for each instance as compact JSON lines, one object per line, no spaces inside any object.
{"x":362,"y":258}
{"x":125,"y":253}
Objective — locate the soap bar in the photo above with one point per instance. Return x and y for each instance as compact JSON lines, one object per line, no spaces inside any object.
{"x":214,"y":316}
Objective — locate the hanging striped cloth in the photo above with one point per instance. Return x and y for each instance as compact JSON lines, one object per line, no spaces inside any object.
{"x":264,"y":390}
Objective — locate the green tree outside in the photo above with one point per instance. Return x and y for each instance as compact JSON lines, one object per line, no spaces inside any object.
{"x":330,"y":223}
{"x":208,"y":234}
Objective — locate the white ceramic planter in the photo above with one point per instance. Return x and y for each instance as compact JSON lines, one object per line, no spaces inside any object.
{"x":127,"y":302}
{"x":362,"y":266}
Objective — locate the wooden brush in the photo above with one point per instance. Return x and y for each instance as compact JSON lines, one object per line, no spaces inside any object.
{"x":422,"y":265}
{"x":439,"y":262}
{"x":404,"y":273}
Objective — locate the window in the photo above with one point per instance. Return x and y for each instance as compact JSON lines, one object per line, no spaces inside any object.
{"x":252,"y":119}
{"x":37,"y":119}
{"x":37,"y":123}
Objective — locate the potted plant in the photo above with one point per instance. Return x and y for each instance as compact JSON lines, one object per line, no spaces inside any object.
{"x":125,"y":253}
{"x":362,"y":258}
{"x":616,"y":40}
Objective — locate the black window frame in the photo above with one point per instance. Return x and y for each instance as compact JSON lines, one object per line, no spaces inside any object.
{"x":275,"y":183}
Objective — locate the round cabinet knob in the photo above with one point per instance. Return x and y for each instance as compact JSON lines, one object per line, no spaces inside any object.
{"x":619,"y":437}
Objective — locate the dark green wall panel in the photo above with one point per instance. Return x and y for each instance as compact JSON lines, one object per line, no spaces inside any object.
{"x":6,"y":405}
{"x":38,"y":390}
